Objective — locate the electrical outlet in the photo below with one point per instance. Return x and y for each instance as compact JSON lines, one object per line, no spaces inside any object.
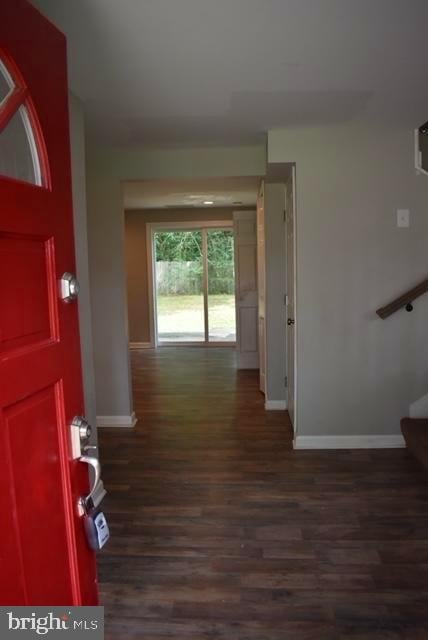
{"x":403,"y":218}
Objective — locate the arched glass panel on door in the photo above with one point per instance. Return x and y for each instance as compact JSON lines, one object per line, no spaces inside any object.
{"x":19,"y":152}
{"x":6,"y":83}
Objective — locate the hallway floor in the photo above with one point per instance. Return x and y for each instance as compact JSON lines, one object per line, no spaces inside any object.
{"x":221,"y":531}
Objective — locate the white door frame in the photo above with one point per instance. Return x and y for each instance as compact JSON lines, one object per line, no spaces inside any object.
{"x":151,"y":228}
{"x":296,"y":324}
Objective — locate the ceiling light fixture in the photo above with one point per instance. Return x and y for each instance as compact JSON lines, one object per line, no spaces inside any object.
{"x":208,"y":202}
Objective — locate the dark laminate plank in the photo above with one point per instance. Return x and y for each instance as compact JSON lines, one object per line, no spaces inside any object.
{"x":220,"y":530}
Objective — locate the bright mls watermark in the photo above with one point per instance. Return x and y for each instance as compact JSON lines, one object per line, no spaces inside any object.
{"x":53,"y":622}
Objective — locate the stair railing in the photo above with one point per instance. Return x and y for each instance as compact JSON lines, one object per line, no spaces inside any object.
{"x":404,"y":301}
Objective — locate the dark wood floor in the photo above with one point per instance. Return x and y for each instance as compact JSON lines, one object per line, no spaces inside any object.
{"x":221,"y":531}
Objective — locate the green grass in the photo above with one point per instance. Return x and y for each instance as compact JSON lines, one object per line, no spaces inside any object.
{"x":184,"y":312}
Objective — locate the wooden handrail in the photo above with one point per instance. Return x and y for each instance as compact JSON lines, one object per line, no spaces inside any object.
{"x":403,"y":301}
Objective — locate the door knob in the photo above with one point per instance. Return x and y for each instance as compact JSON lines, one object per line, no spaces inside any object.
{"x":69,"y":287}
{"x":290,"y":321}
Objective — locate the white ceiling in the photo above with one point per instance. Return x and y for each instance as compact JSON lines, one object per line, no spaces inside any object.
{"x":222,"y":192}
{"x":201,"y":72}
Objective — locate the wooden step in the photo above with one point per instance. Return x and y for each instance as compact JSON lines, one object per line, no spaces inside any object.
{"x":415,"y":432}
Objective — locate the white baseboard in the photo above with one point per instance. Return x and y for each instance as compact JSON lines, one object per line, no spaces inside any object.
{"x":275,"y":405}
{"x":136,"y":346}
{"x":349,"y":442}
{"x":117,"y":421}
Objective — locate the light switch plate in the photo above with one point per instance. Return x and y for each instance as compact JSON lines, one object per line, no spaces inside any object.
{"x":403,"y":218}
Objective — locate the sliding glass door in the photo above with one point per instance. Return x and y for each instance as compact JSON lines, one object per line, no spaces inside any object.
{"x":179,"y":286}
{"x":194,"y":286}
{"x":221,"y":286}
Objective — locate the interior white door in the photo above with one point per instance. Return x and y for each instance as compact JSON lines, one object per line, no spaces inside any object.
{"x":261,"y":286}
{"x":291,"y":333}
{"x":244,"y":223}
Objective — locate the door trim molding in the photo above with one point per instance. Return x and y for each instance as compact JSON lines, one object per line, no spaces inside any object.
{"x":349,"y":442}
{"x":295,"y":301}
{"x":117,"y":421}
{"x":136,"y":346}
{"x":275,"y":405}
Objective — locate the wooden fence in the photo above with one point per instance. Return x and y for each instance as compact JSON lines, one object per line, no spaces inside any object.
{"x":186,"y":278}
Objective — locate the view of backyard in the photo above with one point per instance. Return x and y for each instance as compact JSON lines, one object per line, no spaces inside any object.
{"x":181,"y":317}
{"x":182,"y":259}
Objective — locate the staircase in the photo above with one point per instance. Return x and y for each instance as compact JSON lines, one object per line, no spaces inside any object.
{"x":415,"y":432}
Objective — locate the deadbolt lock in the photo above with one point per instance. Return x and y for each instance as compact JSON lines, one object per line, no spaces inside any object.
{"x":69,"y":287}
{"x":80,"y":434}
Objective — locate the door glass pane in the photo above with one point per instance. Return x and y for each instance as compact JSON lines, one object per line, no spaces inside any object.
{"x":18,"y":154}
{"x":221,"y":286}
{"x":179,"y":286}
{"x":4,"y":88}
{"x":6,"y":83}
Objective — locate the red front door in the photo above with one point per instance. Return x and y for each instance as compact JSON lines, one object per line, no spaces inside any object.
{"x":44,"y":556}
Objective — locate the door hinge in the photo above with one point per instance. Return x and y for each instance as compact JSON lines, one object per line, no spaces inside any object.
{"x":285,"y":215}
{"x":286,"y":381}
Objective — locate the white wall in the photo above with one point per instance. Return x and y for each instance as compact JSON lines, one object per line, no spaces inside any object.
{"x":419,"y":408}
{"x":274,"y":204}
{"x":105,"y":171}
{"x":77,"y":143}
{"x":357,"y":374}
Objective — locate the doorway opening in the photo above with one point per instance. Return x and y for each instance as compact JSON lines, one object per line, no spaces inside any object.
{"x":191,"y":264}
{"x":194,"y":285}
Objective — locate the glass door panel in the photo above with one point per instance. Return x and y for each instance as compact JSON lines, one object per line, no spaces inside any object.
{"x":221,"y":286}
{"x":179,"y":277}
